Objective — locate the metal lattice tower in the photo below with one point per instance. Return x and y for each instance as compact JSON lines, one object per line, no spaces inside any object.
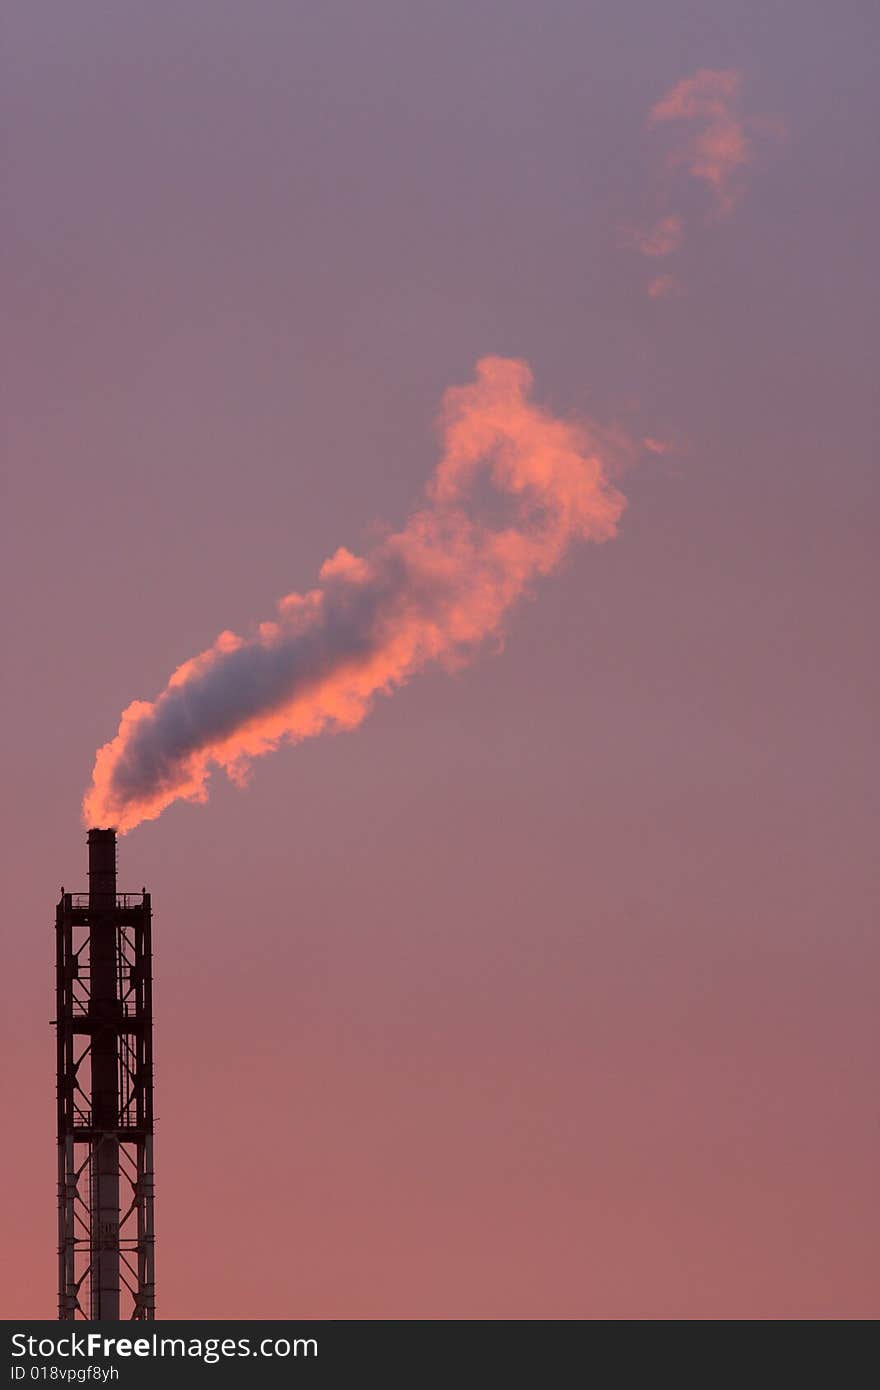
{"x":105,"y":1097}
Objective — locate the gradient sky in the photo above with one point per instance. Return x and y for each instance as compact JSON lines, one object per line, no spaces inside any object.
{"x":550,"y":991}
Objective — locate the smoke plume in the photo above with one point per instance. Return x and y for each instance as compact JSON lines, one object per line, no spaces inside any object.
{"x":514,"y":487}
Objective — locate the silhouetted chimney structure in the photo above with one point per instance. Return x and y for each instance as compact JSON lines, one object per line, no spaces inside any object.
{"x":105,"y":1097}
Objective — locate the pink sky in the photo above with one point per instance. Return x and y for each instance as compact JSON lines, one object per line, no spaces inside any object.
{"x":550,"y":990}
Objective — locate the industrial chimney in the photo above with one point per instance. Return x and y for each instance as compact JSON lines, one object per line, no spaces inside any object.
{"x":105,"y":1096}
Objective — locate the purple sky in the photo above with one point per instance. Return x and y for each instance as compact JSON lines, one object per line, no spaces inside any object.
{"x":550,"y":991}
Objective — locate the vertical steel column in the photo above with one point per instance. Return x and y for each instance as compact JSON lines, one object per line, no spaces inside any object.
{"x":67,"y":1291}
{"x":105,"y":1017}
{"x":145,"y":1304}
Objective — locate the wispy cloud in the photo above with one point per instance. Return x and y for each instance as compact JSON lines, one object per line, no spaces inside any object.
{"x":657,"y":446}
{"x":662,"y":286}
{"x":718,"y":145}
{"x":660,"y":239}
{"x":714,"y":143}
